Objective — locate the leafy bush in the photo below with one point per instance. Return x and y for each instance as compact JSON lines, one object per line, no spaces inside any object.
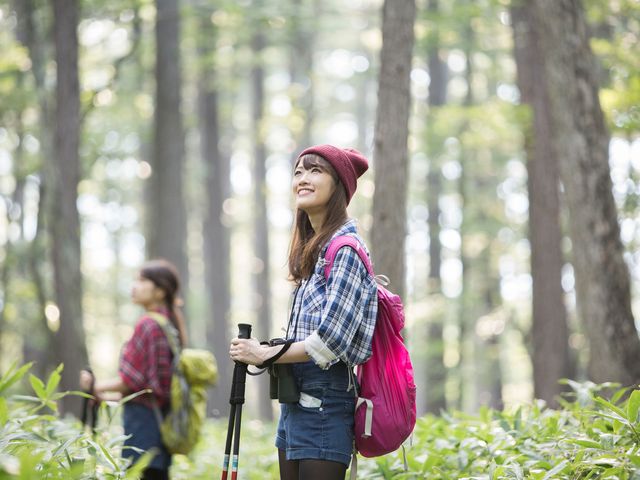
{"x":36,"y":443}
{"x":593,"y":436}
{"x":588,"y":438}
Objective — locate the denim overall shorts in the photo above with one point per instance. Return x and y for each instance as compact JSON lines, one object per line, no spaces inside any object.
{"x":320,"y":425}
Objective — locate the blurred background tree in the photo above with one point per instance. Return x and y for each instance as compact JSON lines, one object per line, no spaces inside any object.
{"x":520,"y":261}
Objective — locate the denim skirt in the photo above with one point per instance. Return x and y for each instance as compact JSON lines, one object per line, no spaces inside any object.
{"x":141,"y":424}
{"x":320,"y":425}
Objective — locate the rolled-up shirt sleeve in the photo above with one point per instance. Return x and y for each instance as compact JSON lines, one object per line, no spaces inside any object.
{"x":348,"y":314}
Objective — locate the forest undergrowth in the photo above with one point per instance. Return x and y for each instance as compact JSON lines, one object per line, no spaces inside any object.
{"x":594,"y":435}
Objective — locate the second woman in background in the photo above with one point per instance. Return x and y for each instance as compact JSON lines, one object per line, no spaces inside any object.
{"x":145,"y":363}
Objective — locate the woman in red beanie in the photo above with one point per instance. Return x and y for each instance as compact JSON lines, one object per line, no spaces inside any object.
{"x":331,"y":321}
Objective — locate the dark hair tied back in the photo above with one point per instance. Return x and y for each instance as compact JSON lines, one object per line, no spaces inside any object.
{"x":164,"y":275}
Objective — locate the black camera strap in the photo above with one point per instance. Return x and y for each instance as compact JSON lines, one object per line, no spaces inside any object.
{"x":287,"y":343}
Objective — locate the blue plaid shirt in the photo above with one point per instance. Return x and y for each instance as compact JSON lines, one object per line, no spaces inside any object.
{"x":336,"y":316}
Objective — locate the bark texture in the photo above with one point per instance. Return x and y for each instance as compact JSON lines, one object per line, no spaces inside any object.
{"x":436,"y":373}
{"x":35,"y":346}
{"x":64,"y":221}
{"x":216,"y":231}
{"x":166,"y":212}
{"x":549,"y":331}
{"x":582,"y":141}
{"x":261,"y":239}
{"x":300,"y":70}
{"x":391,"y":134}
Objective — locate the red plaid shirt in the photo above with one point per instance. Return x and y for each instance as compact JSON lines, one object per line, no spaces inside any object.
{"x":146,"y":362}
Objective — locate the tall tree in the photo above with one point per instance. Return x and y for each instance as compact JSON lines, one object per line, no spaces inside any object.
{"x":166,"y":214}
{"x":436,"y":371}
{"x":480,"y":374}
{"x":34,"y":346}
{"x":216,"y":233}
{"x":581,"y":140}
{"x":300,"y":68}
{"x":391,"y":136}
{"x":261,"y":222}
{"x":549,"y":330}
{"x":64,"y":221}
{"x":467,"y":386}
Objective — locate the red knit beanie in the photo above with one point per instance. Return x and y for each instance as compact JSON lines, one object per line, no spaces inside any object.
{"x":348,"y":163}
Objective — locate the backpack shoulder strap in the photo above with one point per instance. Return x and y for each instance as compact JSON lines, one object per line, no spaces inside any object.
{"x":169,"y":331}
{"x":345,"y":241}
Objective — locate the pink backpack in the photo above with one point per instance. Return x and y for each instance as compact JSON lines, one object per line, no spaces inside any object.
{"x":386,"y":406}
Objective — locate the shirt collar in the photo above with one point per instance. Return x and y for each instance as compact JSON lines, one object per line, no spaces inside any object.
{"x":350,"y":226}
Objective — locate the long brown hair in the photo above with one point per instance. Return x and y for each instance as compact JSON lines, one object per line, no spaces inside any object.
{"x":164,"y":275}
{"x":305,"y":242}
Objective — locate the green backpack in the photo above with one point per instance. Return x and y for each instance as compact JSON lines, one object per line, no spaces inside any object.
{"x":193,"y":371}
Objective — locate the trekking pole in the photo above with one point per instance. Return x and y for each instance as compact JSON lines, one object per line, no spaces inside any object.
{"x":236,"y":400}
{"x":94,"y":405}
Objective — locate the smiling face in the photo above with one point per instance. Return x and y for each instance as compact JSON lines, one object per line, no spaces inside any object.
{"x":313,"y":185}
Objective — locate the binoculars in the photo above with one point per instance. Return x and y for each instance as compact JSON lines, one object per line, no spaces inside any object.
{"x":282,"y":384}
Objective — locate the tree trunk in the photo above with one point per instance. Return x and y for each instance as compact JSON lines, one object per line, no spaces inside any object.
{"x":549,"y":331}
{"x":436,"y":373}
{"x":64,"y":222}
{"x":487,"y":371}
{"x":167,"y":213}
{"x":31,"y":38}
{"x":261,"y":243}
{"x":216,"y":232}
{"x":391,"y":134}
{"x":467,"y":342}
{"x":301,"y":67}
{"x":582,"y":141}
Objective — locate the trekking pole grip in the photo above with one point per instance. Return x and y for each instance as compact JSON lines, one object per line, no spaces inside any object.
{"x":244,"y":330}
{"x":240,"y":370}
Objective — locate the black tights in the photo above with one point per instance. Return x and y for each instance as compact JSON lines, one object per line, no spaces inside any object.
{"x":310,"y":469}
{"x":155,"y":474}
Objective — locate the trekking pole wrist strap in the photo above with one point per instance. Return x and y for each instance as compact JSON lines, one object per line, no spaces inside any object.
{"x":285,"y":346}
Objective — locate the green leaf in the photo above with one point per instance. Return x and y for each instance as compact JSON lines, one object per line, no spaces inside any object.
{"x":136,"y":470}
{"x":10,"y":378}
{"x":633,"y":405}
{"x":105,"y":453}
{"x":612,"y":416}
{"x":38,"y":387}
{"x":4,"y":411}
{"x":54,"y":381}
{"x":517,"y":423}
{"x":52,"y":405}
{"x":585,"y":443}
{"x":133,"y":395}
{"x":612,"y":472}
{"x":557,"y":469}
{"x":611,"y":407}
{"x":26,"y":398}
{"x":66,"y":445}
{"x":619,"y":394}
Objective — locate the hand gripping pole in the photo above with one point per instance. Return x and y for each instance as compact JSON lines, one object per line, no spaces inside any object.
{"x":236,"y":399}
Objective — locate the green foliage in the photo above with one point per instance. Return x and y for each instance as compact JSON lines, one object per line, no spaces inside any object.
{"x":35,"y":442}
{"x":592,"y":436}
{"x":616,"y":27}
